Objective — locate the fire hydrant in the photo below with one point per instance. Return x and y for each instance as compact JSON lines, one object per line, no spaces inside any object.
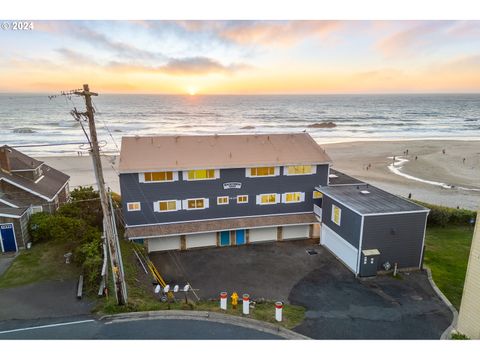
{"x":234,"y":300}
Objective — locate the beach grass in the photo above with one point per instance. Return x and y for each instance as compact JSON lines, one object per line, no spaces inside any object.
{"x":446,"y":254}
{"x":142,"y":298}
{"x":44,"y":261}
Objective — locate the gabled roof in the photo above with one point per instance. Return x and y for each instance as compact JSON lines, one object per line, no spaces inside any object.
{"x":152,"y":153}
{"x":14,"y":213}
{"x":46,"y":186}
{"x":369,"y":200}
{"x":20,"y":161}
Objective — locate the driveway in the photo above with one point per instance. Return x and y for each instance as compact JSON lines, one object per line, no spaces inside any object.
{"x":48,"y":299}
{"x":339,"y":306}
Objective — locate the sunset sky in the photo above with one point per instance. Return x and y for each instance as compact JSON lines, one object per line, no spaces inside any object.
{"x":243,"y":57}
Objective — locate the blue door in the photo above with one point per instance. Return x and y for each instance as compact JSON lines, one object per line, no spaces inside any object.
{"x":8,"y":238}
{"x":240,"y":237}
{"x":225,"y":238}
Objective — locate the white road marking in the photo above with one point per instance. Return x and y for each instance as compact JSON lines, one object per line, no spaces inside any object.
{"x":46,"y":326}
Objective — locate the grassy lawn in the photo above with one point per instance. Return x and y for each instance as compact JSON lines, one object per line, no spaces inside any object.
{"x":142,"y":298}
{"x":43,"y":261}
{"x":447,"y":251}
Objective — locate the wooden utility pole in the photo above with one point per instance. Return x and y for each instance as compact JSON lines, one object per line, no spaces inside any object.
{"x":117,"y":271}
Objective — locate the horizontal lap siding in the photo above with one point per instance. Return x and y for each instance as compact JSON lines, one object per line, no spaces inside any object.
{"x":399,"y":238}
{"x":350,"y":223}
{"x":146,"y":194}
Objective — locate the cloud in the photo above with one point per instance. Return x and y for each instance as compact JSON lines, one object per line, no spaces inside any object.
{"x":92,"y":37}
{"x":414,"y":39}
{"x":75,"y":57}
{"x":182,"y":67}
{"x":262,"y":32}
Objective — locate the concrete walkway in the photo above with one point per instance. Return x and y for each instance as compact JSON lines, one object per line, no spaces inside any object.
{"x":5,"y":262}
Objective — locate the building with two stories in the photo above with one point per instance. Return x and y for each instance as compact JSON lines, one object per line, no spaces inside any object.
{"x":26,"y":186}
{"x":184,"y":192}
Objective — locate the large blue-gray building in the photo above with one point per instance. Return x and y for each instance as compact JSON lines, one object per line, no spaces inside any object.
{"x":183,"y":192}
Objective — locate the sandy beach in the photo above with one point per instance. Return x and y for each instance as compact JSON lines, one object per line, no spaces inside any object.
{"x":430,"y":165}
{"x":433,"y":177}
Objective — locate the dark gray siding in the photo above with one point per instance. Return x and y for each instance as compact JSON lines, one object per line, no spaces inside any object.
{"x":350,"y":221}
{"x":399,"y":238}
{"x":20,"y":229}
{"x":147,"y":193}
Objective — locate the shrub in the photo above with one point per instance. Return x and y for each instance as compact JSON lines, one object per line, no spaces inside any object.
{"x":85,"y":205}
{"x":442,"y":215}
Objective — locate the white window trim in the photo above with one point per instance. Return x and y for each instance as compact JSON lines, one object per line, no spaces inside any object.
{"x":141,"y":177}
{"x":248,"y":172}
{"x":242,"y":202}
{"x":156,"y":205}
{"x":285,"y":170}
{"x":284,"y":197}
{"x":221,"y":197}
{"x":216,"y":175}
{"x":259,"y":199}
{"x":316,"y":198}
{"x":37,"y":209}
{"x":132,"y":203}
{"x":205,"y":204}
{"x":339,"y":215}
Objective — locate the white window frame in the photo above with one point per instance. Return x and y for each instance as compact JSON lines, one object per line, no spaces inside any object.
{"x":248,"y":172}
{"x":285,"y":170}
{"x":156,"y":205}
{"x":339,"y":215}
{"x":284,"y":197}
{"x":242,"y":202}
{"x":37,"y":209}
{"x":316,"y":198}
{"x":205,"y":204}
{"x":133,"y":203}
{"x":277,"y":199}
{"x":223,"y":197}
{"x":141,"y":177}
{"x":216,"y":175}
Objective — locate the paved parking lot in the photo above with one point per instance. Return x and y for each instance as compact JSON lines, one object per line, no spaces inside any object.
{"x":339,"y":306}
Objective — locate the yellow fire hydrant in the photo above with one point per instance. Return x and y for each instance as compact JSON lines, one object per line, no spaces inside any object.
{"x":234,"y":300}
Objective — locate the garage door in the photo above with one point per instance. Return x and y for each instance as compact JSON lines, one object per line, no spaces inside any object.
{"x":201,"y":240}
{"x":296,"y":232}
{"x":263,"y":234}
{"x":164,"y":243}
{"x":339,"y":247}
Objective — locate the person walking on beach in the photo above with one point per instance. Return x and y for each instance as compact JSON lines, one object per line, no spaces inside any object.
{"x":443,"y":151}
{"x":464,"y":160}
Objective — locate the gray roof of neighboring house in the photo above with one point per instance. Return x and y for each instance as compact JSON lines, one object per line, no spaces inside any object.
{"x":192,"y":227}
{"x":47,"y":186}
{"x":338,"y":178}
{"x":180,"y":152}
{"x":14,"y":212}
{"x":376,"y":201}
{"x":20,"y":161}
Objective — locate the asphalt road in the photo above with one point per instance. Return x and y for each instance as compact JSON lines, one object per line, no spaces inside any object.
{"x":82,"y":328}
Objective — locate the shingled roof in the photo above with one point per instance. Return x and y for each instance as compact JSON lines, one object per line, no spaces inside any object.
{"x":157,"y":153}
{"x":47,"y":186}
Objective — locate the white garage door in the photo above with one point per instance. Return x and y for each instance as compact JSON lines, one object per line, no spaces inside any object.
{"x":201,"y":240}
{"x":164,"y":243}
{"x":296,"y":232}
{"x":340,"y":247}
{"x":263,"y":234}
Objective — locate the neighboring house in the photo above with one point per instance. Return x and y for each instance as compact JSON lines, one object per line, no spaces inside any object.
{"x":183,"y":192}
{"x":26,"y":186}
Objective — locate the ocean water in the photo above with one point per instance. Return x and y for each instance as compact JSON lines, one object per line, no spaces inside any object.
{"x":34,"y":119}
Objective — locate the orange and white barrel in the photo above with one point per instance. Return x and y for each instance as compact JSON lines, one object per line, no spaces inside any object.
{"x":246,"y":304}
{"x":278,"y":311}
{"x":223,"y":300}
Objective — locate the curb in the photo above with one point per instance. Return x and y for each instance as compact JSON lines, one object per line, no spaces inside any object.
{"x":207,"y":316}
{"x":453,"y":325}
